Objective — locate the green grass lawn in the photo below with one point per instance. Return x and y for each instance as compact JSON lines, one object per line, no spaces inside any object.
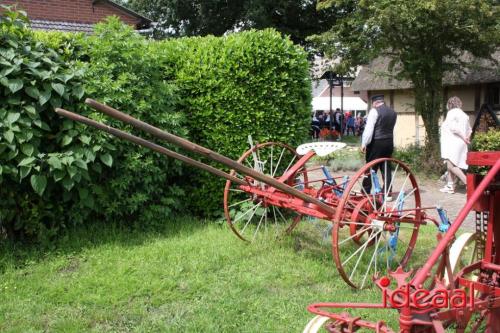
{"x":188,"y":277}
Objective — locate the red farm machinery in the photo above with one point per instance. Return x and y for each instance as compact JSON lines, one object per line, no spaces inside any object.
{"x":374,"y":217}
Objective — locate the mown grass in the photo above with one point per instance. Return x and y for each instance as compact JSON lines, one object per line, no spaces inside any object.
{"x":189,"y":276}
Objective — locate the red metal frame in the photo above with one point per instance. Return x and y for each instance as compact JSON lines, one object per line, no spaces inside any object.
{"x":485,"y":303}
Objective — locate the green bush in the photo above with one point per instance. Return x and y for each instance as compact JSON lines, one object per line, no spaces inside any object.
{"x":489,"y":141}
{"x":214,"y":91}
{"x":126,"y":71}
{"x":250,"y":83}
{"x":42,"y":157}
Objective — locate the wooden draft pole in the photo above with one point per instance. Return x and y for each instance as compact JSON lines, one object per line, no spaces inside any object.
{"x":183,"y":143}
{"x":146,"y":144}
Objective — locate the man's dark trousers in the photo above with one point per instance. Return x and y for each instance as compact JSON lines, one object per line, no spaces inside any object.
{"x":379,"y":148}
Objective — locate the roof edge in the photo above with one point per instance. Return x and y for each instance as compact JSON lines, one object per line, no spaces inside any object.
{"x":145,"y":22}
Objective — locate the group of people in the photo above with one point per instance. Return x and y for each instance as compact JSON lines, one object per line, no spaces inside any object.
{"x":378,"y":140}
{"x":335,"y":124}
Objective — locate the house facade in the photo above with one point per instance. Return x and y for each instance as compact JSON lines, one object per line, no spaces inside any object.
{"x":475,"y":85}
{"x":75,"y":15}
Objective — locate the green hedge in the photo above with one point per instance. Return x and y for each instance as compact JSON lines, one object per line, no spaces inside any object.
{"x":251,"y":83}
{"x":214,"y":91}
{"x":42,"y":157}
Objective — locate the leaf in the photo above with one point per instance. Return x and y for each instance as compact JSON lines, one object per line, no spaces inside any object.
{"x":84,"y":193}
{"x":68,"y":183}
{"x":78,"y":91}
{"x":81,"y":164}
{"x":85,"y":139}
{"x":30,"y":109}
{"x":55,"y":162}
{"x":58,"y":87}
{"x":13,"y":117}
{"x":32,"y":92}
{"x":24,"y":171}
{"x":9,"y":136}
{"x":26,"y":161}
{"x":27,"y":149}
{"x":15,"y":85}
{"x":66,"y":140}
{"x":107,"y":159}
{"x":38,"y":183}
{"x":44,"y":96}
{"x":58,"y":175}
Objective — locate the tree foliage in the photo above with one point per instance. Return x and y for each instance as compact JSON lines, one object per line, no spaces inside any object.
{"x":298,"y":19}
{"x":424,"y":39}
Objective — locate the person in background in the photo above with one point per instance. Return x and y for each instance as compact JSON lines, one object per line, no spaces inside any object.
{"x":360,"y":124}
{"x":350,"y":123}
{"x":315,"y":125}
{"x":378,"y":140}
{"x":455,"y":136}
{"x":338,"y":123}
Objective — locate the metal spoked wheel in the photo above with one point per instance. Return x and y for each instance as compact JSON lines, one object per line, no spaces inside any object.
{"x":317,"y":324}
{"x":376,"y":227}
{"x":464,"y":252}
{"x":251,"y":215}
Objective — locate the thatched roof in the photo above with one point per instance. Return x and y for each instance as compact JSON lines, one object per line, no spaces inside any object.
{"x":376,"y":76}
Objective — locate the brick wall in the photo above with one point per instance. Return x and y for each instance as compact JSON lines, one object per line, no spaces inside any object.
{"x":81,"y":11}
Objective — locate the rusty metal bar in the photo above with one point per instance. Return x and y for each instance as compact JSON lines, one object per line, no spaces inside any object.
{"x":208,"y":153}
{"x":147,"y":144}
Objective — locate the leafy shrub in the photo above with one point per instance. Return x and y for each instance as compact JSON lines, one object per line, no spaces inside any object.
{"x":126,"y":71}
{"x":420,"y":159}
{"x":54,"y":172}
{"x":251,"y":83}
{"x":42,"y":157}
{"x":489,"y":141}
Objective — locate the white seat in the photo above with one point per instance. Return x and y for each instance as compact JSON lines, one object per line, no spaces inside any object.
{"x":320,"y":148}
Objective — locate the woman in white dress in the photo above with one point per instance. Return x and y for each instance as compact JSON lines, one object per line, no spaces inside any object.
{"x":455,"y":136}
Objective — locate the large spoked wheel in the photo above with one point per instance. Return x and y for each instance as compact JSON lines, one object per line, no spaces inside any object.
{"x":464,"y":251}
{"x":251,"y":215}
{"x":317,"y":324}
{"x":377,"y":222}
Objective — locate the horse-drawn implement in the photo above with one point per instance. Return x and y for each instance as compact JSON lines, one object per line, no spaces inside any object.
{"x":374,"y":218}
{"x":437,"y":299}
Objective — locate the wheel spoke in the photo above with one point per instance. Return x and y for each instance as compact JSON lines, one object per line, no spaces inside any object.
{"x":250,"y":218}
{"x":258,"y":226}
{"x":356,"y":234}
{"x":240,"y":202}
{"x":279,"y":161}
{"x":371,"y":261}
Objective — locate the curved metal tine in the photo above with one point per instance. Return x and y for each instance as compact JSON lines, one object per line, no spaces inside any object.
{"x":401,"y":191}
{"x":405,"y":196}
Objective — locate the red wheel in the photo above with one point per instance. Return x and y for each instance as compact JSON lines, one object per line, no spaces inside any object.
{"x":375,"y":230}
{"x":250,"y":215}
